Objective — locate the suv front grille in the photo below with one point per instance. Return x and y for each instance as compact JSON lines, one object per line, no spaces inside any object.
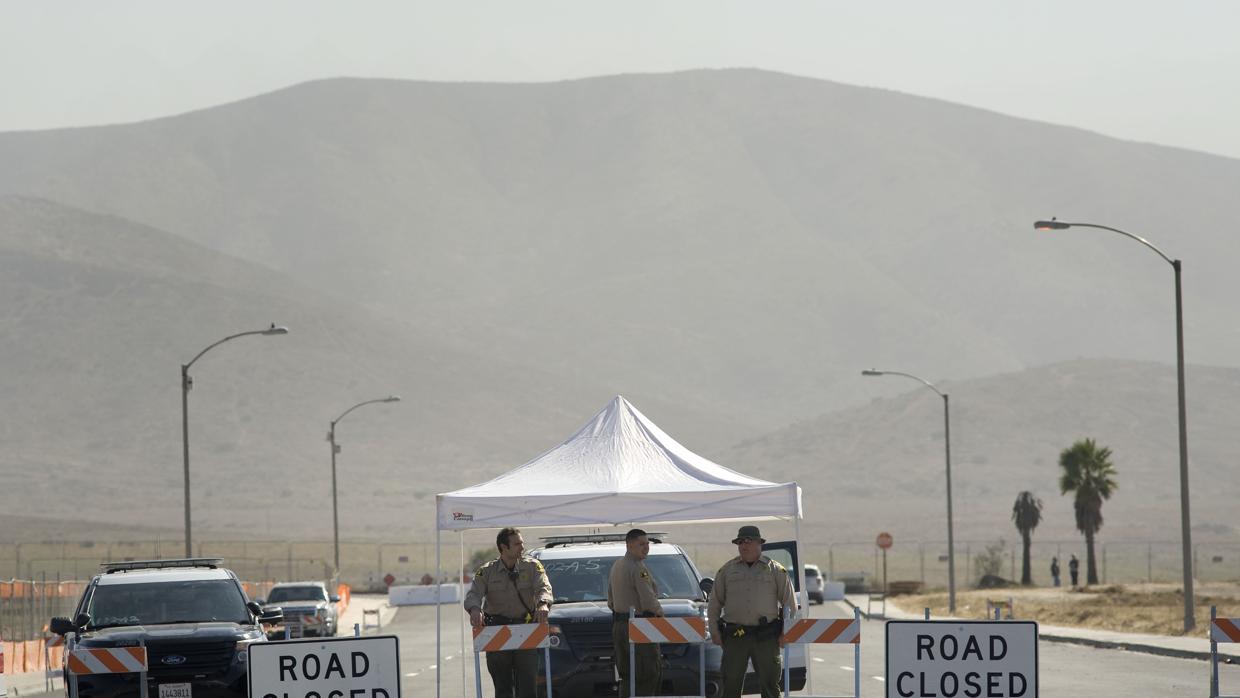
{"x":199,"y":658}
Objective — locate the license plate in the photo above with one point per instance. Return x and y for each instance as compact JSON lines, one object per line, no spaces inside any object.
{"x":174,"y":690}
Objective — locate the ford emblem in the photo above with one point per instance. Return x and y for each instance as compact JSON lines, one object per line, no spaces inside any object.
{"x":173,"y":659}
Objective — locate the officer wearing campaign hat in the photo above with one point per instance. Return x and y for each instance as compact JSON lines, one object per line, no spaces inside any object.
{"x":746,"y":614}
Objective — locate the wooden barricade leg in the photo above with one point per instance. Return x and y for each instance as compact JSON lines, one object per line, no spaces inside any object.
{"x":857,"y":653}
{"x":478,"y":672}
{"x":1213,"y":655}
{"x":547,"y":667}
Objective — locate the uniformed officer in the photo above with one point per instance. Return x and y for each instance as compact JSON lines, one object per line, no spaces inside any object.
{"x":510,"y":589}
{"x":631,"y":585}
{"x":746,"y":615}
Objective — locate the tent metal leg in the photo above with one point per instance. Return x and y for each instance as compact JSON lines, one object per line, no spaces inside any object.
{"x":460,"y":579}
{"x":438,"y":613}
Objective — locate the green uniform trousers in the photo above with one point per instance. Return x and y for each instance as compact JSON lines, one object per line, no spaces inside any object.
{"x":513,"y":672}
{"x":767,"y":664}
{"x":649,"y":662}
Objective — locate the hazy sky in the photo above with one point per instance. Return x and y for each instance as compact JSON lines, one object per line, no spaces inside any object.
{"x":1151,"y":71}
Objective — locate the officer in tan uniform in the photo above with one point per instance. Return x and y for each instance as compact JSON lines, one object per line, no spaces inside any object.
{"x":631,"y":585}
{"x":746,"y":615}
{"x":510,"y":589}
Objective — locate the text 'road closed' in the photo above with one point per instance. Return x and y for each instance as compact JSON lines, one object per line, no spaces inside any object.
{"x":962,"y":659}
{"x":347,"y":667}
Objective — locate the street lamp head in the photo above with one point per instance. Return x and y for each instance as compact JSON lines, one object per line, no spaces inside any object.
{"x":1052,"y":224}
{"x":871,"y":372}
{"x":392,"y":398}
{"x":275,"y":329}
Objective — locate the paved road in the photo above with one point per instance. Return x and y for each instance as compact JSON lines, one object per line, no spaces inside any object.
{"x":1066,"y":671}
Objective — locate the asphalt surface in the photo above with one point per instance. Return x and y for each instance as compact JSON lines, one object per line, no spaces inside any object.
{"x":1065,"y":670}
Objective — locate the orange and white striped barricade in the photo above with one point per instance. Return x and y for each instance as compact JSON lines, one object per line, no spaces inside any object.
{"x":505,"y":638}
{"x":831,"y":631}
{"x":664,"y":630}
{"x":1221,"y":630}
{"x":106,"y":660}
{"x":49,"y":674}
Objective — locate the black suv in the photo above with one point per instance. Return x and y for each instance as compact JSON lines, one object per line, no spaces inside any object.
{"x":581,"y":651}
{"x":192,"y":616}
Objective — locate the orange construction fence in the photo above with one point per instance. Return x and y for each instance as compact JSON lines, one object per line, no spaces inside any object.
{"x":21,"y":657}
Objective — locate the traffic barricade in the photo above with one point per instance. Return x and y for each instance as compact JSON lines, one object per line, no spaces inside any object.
{"x":106,"y":660}
{"x":505,"y":638}
{"x":1221,"y":630}
{"x":678,"y":630}
{"x":52,"y":642}
{"x":831,"y":631}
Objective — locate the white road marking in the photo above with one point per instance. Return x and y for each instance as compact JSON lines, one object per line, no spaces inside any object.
{"x":411,"y":675}
{"x":433,"y":666}
{"x":879,"y":678}
{"x":846,"y":668}
{"x":447,"y":658}
{"x":819,"y":659}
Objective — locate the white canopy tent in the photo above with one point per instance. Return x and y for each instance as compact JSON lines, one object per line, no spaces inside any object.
{"x":620,"y":468}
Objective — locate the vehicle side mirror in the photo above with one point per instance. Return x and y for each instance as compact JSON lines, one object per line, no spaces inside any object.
{"x":707,"y":585}
{"x":256,"y":607}
{"x":62,"y":626}
{"x":260,"y":601}
{"x":334,"y":598}
{"x":272,"y":616}
{"x":81,"y":620}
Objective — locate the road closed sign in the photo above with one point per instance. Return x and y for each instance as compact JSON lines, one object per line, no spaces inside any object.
{"x":341,"y":667}
{"x":962,"y":659}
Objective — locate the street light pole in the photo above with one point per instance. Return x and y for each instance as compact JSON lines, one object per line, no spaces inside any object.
{"x":187,"y":382}
{"x":1186,"y":536}
{"x":331,"y":439}
{"x":947,"y":444}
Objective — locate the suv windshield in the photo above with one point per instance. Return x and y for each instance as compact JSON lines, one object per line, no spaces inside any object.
{"x":585,"y":578}
{"x":302,"y":593}
{"x":153,"y":603}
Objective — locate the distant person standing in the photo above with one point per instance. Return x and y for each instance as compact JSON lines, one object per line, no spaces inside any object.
{"x":1055,"y":571}
{"x":746,"y":615}
{"x":509,"y":590}
{"x":1074,"y":569}
{"x":630,"y":585}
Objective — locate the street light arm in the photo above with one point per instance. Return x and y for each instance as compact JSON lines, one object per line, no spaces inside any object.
{"x":390,"y":398}
{"x":1126,"y":234}
{"x":271,"y":330}
{"x":923,"y":381}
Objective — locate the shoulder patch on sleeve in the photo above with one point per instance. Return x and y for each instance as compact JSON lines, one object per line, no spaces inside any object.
{"x":478,"y":572}
{"x":778,"y":567}
{"x":538,"y":565}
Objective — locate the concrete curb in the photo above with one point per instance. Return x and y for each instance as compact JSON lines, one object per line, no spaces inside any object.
{"x":1138,"y":647}
{"x":1141,"y":647}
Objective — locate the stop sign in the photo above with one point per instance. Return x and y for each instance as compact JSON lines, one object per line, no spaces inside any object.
{"x":388,"y":579}
{"x":883,"y":541}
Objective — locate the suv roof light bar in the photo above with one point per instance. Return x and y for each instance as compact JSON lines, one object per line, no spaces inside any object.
{"x":208,"y":562}
{"x":553,"y":541}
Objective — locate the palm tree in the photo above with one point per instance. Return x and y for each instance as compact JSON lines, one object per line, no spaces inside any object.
{"x":1026,"y":514}
{"x":1087,"y":471}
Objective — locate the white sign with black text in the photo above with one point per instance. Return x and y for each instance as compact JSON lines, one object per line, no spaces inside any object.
{"x":338,"y":667}
{"x":962,"y":659}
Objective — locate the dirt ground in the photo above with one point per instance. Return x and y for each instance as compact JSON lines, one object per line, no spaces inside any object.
{"x":1133,"y":608}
